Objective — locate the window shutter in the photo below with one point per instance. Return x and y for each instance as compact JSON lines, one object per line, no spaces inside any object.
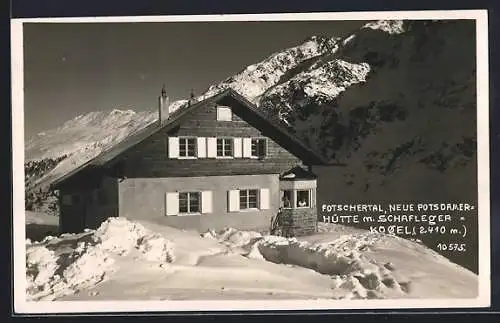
{"x":173,"y":147}
{"x":264,"y":147}
{"x":237,"y":147}
{"x":264,"y":198}
{"x":247,"y":147}
{"x":206,"y":202}
{"x":172,"y":203}
{"x":201,"y":146}
{"x":211,"y":147}
{"x":233,"y":200}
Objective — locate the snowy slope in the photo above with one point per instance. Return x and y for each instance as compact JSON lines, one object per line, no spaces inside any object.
{"x":321,"y":82}
{"x":90,"y":131}
{"x":84,"y":137}
{"x":125,"y":260}
{"x":396,"y":102}
{"x":255,"y":79}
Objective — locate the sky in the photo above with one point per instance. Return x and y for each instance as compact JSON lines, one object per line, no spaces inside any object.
{"x":75,"y":68}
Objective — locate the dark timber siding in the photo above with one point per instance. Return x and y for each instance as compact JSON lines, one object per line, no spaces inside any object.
{"x":150,"y":157}
{"x":94,"y":199}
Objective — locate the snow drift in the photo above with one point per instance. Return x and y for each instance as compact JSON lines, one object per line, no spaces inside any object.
{"x":342,"y":259}
{"x":233,"y":237}
{"x":359,"y":263}
{"x":59,"y":266}
{"x":124,"y":260}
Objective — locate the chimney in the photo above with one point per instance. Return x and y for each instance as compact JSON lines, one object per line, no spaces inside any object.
{"x":191,"y":97}
{"x":163,"y":103}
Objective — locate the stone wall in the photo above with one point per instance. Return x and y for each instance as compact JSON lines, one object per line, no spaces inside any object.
{"x":300,"y":222}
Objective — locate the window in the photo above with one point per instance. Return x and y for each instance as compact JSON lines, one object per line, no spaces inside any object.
{"x":248,"y":199}
{"x":258,"y":147}
{"x":189,"y":202}
{"x":287,"y":199}
{"x":303,"y":198}
{"x":224,"y":114}
{"x":187,"y":147}
{"x":224,"y":147}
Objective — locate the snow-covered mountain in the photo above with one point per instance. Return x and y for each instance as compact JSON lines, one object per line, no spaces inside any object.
{"x":85,"y":136}
{"x":395,"y":101}
{"x":86,"y":132}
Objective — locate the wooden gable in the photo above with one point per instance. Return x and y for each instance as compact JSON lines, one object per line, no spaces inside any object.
{"x":146,"y":152}
{"x":158,"y":155}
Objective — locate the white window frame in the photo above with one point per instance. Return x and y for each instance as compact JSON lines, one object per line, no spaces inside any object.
{"x":220,"y":115}
{"x":309,"y":198}
{"x":257,"y":145}
{"x":257,"y":199}
{"x":292,"y":199}
{"x":223,"y":147}
{"x":189,"y":212}
{"x":183,"y":142}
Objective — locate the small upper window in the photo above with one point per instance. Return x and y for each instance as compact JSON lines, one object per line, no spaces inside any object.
{"x":224,"y":114}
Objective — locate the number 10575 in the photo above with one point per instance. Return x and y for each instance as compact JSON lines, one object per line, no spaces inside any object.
{"x":452,"y":247}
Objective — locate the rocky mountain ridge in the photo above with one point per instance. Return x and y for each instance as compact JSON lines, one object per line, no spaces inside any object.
{"x":394,"y":100}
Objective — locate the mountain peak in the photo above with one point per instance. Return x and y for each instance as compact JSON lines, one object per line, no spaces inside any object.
{"x":120,"y":111}
{"x":389,"y":26}
{"x":316,"y":38}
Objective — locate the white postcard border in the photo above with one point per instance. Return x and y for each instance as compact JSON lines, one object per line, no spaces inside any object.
{"x":484,"y":297}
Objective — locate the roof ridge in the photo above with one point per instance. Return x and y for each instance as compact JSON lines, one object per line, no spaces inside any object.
{"x":150,"y":127}
{"x":140,"y":135}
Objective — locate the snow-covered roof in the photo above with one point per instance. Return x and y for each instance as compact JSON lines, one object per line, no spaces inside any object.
{"x":297,"y":173}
